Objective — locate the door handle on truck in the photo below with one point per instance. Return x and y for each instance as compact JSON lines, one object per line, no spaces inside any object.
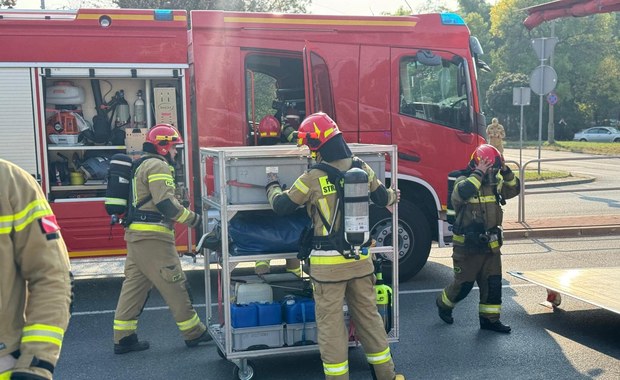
{"x":409,"y":157}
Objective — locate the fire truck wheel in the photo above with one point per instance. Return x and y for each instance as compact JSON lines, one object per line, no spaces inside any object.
{"x":414,"y":238}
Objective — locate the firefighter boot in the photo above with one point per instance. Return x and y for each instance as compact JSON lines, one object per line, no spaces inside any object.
{"x":130,"y":343}
{"x":496,"y":326}
{"x":444,"y":313}
{"x":204,"y":338}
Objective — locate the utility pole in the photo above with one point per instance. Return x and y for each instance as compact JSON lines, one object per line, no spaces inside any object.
{"x":551,"y":124}
{"x":42,"y":4}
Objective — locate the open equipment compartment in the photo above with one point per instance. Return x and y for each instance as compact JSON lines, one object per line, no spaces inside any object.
{"x":218,"y":166}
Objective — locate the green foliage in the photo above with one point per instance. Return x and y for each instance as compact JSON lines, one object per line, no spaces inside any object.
{"x":8,"y":3}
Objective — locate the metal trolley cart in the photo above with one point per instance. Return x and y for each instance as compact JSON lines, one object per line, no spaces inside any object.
{"x":232,"y":181}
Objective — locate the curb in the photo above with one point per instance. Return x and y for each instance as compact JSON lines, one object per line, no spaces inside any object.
{"x":561,"y":232}
{"x":560,"y":182}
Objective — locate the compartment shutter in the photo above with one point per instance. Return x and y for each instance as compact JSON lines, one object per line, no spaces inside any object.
{"x":17,"y":128}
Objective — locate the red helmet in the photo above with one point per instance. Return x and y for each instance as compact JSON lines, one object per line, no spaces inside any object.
{"x":490,"y":153}
{"x":316,"y":130}
{"x":269,"y":129}
{"x":163,"y":137}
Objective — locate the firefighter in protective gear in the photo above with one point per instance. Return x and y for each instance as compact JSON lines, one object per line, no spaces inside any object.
{"x":152,"y":258}
{"x":477,"y":198}
{"x":35,"y":283}
{"x":496,"y":135}
{"x":335,"y":277}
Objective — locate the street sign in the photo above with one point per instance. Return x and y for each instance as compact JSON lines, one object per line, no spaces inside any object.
{"x":543,"y":80}
{"x":543,"y":47}
{"x":521,"y":96}
{"x":552,"y":98}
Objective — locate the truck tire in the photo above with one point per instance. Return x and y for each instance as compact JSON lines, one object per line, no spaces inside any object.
{"x":414,"y":238}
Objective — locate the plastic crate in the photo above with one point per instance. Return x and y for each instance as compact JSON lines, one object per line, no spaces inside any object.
{"x":258,"y":337}
{"x":300,"y":334}
{"x":247,"y":177}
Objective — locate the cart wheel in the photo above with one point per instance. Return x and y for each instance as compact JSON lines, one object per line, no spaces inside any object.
{"x":247,"y":374}
{"x":221,"y":354}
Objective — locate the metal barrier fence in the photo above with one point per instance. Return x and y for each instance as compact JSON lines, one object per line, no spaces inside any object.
{"x":523,"y":192}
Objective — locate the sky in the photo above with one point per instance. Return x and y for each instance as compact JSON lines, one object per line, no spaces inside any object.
{"x":335,"y":7}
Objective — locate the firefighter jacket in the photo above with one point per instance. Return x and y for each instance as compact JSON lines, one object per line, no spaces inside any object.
{"x":496,"y":134}
{"x":35,"y":285}
{"x":155,"y":218}
{"x":478,"y":206}
{"x":319,"y":196}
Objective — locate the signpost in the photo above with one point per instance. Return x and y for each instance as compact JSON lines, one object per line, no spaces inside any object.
{"x":521,"y":96}
{"x":543,"y":79}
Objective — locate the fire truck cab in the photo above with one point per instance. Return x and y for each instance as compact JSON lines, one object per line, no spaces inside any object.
{"x":409,"y":81}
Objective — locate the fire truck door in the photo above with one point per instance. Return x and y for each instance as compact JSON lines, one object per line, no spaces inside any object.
{"x":317,"y":84}
{"x":17,"y":119}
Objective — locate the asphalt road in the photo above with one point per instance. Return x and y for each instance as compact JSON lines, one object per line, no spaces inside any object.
{"x":576,"y":202}
{"x":580,"y":342}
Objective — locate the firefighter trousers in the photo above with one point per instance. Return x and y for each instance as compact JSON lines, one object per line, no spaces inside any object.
{"x":482,"y":267}
{"x":154,"y":263}
{"x":333,"y":336}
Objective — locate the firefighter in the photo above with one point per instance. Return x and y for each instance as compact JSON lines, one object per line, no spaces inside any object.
{"x":496,"y":135}
{"x":478,"y":196}
{"x":269,"y":130}
{"x":334,"y":276}
{"x":152,"y":259}
{"x":35,"y":282}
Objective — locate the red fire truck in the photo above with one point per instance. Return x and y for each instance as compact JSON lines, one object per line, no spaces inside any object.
{"x":410,"y":81}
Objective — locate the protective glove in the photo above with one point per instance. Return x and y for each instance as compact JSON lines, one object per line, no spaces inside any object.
{"x":272,"y":179}
{"x":195,"y":221}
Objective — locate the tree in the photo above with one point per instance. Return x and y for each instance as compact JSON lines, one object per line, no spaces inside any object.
{"x":499,"y":100}
{"x":8,"y":3}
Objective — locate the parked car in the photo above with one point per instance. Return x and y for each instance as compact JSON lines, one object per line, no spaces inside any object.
{"x":598,"y":134}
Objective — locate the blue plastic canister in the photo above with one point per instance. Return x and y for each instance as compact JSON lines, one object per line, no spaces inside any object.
{"x":269,"y":314}
{"x":299,"y":310}
{"x":244,"y":315}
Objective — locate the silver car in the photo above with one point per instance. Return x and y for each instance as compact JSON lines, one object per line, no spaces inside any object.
{"x":598,"y":134}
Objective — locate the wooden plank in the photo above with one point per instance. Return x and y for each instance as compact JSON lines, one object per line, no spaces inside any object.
{"x":597,"y":286}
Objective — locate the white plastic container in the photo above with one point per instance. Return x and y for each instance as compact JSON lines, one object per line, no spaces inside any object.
{"x":64,"y":93}
{"x":248,"y":293}
{"x":64,"y":139}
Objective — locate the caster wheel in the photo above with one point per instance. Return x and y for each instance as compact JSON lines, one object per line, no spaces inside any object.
{"x":244,"y":375}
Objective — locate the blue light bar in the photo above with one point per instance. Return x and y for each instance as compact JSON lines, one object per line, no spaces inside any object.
{"x":451,"y":19}
{"x":163,"y":15}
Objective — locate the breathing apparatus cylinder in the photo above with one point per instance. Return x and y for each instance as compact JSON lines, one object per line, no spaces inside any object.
{"x":122,"y":110}
{"x":119,"y":182}
{"x":139,"y":112}
{"x":356,"y":207}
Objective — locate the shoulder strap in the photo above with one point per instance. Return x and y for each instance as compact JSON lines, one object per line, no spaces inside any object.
{"x":134,"y":168}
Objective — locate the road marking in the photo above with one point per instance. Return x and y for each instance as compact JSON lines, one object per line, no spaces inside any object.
{"x":156,"y":308}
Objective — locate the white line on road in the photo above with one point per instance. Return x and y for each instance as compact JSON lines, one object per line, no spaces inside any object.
{"x":155,"y":308}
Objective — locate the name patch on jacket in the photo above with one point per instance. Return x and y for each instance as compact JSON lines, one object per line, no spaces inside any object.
{"x":49,"y":227}
{"x":326,"y":186}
